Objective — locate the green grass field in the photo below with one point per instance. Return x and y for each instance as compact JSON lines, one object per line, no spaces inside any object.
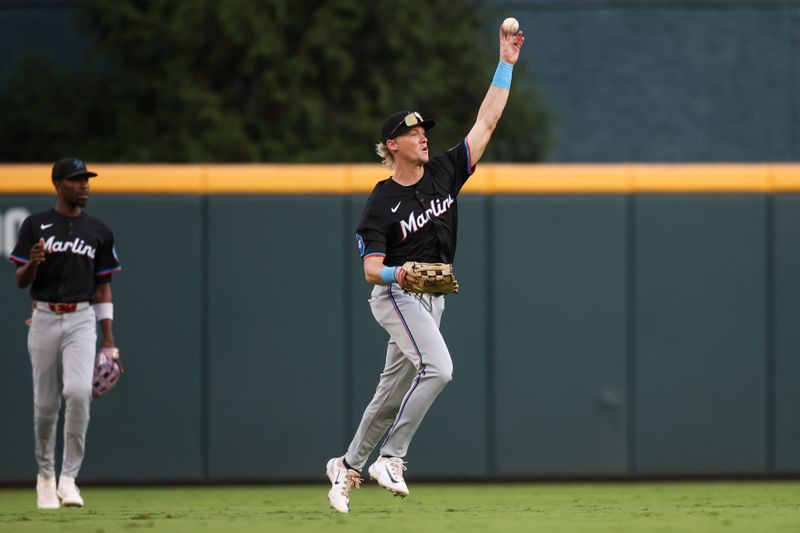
{"x":594,"y":507}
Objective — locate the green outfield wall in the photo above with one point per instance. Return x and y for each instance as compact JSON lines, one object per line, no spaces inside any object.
{"x":595,"y":335}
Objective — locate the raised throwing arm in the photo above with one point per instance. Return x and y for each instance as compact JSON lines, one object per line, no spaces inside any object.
{"x":496,"y":97}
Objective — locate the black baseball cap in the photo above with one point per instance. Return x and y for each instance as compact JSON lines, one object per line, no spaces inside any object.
{"x":70,"y":168}
{"x":402,"y":121}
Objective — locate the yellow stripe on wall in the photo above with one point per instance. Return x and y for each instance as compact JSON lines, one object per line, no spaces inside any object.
{"x":496,"y":178}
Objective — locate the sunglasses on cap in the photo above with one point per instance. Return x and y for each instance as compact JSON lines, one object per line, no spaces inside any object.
{"x":410,"y":120}
{"x":402,"y":121}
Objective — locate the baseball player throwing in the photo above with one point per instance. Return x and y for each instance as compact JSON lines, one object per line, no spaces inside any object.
{"x":67,"y":257}
{"x":412,"y":216}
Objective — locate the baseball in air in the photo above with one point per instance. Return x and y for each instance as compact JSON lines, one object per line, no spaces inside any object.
{"x":511,"y":26}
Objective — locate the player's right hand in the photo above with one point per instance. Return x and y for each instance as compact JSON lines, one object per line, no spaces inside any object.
{"x":510,"y":46}
{"x":37,"y":252}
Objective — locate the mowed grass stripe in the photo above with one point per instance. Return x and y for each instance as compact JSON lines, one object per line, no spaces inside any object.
{"x":595,"y":507}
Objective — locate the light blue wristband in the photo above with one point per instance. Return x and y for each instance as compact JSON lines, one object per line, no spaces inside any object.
{"x":387,"y":275}
{"x":502,"y":76}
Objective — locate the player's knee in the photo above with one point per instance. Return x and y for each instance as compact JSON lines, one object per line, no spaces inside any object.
{"x":446,"y":372}
{"x":46,"y":410}
{"x":77,"y":395}
{"x":442,"y":377}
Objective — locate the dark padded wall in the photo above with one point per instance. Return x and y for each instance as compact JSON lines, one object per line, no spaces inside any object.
{"x":276,"y":327}
{"x":593,"y":336}
{"x":787,"y":333}
{"x":559,"y":335}
{"x":701,"y":334}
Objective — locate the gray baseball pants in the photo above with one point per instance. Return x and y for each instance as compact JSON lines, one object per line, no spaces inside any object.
{"x":62,"y":349}
{"x":418,"y":366}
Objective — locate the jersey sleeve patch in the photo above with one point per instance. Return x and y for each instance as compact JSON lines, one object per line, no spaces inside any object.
{"x":360,"y":244}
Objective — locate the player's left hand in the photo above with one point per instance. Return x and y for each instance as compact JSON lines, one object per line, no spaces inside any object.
{"x":510,"y":46}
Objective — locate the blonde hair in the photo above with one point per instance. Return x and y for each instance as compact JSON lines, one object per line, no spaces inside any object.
{"x":386,"y":155}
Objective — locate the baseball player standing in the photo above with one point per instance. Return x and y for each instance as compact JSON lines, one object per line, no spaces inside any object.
{"x":67,"y":257}
{"x":412,"y":216}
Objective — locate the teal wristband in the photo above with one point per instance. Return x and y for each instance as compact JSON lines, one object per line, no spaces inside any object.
{"x":502,"y":76}
{"x":387,"y":275}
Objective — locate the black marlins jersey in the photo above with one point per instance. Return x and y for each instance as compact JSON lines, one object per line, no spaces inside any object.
{"x":79,"y":256}
{"x":416,"y":222}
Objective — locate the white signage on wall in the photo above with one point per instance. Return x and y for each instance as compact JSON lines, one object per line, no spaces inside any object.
{"x":10,"y":221}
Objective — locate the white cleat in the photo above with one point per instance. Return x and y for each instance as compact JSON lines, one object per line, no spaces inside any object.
{"x":388,"y":472}
{"x":342,"y":482}
{"x":46,"y":497}
{"x":69,"y":493}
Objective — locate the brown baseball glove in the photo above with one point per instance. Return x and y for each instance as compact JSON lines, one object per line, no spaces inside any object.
{"x":435,"y":278}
